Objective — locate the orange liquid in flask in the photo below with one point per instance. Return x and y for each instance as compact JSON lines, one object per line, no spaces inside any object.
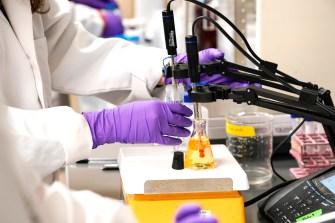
{"x":199,"y":154}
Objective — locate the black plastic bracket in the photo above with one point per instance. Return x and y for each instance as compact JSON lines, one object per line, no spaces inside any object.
{"x":272,"y":67}
{"x":308,"y":96}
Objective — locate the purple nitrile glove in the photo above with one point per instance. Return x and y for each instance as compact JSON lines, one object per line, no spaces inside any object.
{"x":208,"y":56}
{"x":140,"y":122}
{"x":205,"y":56}
{"x":189,"y":213}
{"x":99,"y":4}
{"x":113,"y":23}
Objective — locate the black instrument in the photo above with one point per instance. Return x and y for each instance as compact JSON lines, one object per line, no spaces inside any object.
{"x":311,"y":196}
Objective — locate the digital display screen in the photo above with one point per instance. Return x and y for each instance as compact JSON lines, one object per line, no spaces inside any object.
{"x":329,"y":182}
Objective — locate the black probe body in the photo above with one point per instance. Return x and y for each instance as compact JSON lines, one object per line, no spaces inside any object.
{"x":169,"y":32}
{"x":192,"y":58}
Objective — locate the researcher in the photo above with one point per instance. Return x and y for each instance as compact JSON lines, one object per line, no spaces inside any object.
{"x":25,"y":198}
{"x":42,"y":49}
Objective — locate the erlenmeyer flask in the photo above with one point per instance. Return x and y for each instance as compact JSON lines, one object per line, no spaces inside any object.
{"x":199,"y":154}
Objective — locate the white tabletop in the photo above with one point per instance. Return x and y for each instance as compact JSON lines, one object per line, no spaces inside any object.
{"x":140,"y":165}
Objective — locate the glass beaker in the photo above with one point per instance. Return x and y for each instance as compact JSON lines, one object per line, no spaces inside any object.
{"x":249,"y":139}
{"x":175,"y":94}
{"x":199,"y":154}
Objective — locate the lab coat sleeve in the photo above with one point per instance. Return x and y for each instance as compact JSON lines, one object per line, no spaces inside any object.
{"x":89,"y":17}
{"x":84,"y":207}
{"x":25,"y":198}
{"x":49,"y":138}
{"x":83,"y":64}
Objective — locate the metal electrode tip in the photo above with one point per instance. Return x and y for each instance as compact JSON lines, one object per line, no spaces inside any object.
{"x":178,"y":160}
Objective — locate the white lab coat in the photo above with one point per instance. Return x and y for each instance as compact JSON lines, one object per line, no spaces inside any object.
{"x":25,"y":199}
{"x":44,"y":52}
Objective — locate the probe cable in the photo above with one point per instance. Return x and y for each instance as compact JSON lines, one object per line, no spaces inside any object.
{"x":240,"y":34}
{"x":277,"y":148}
{"x":243,"y":51}
{"x":164,"y":65}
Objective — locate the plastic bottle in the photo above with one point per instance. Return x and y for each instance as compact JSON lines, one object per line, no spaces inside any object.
{"x":295,"y":122}
{"x":321,"y":149}
{"x":319,"y":128}
{"x":309,"y":127}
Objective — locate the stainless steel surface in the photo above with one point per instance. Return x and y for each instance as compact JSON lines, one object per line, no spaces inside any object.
{"x":197,"y":110}
{"x":188,"y":185}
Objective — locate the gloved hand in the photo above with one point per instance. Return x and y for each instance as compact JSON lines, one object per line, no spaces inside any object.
{"x":208,"y":56}
{"x":99,"y":4}
{"x":113,"y":23}
{"x":205,"y":56}
{"x":140,"y":122}
{"x":189,"y":213}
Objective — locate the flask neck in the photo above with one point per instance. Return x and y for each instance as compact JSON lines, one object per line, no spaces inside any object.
{"x":199,"y":127}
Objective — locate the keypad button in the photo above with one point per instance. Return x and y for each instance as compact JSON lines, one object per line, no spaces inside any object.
{"x":276,"y":210}
{"x":325,"y":204}
{"x":303,"y":205}
{"x":284,"y":218}
{"x":297,"y":215}
{"x":308,"y":201}
{"x":296,"y":198}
